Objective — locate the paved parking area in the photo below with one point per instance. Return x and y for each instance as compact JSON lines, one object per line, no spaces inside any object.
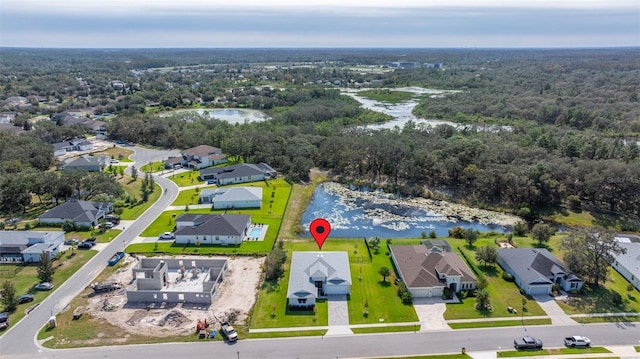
{"x":338,"y":315}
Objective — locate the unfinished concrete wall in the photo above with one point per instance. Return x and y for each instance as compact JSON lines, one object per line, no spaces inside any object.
{"x":143,"y":296}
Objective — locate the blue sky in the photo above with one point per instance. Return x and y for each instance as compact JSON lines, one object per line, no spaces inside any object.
{"x":318,"y":23}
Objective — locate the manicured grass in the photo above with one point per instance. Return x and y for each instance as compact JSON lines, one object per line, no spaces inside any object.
{"x":24,"y":277}
{"x":105,"y":237}
{"x":637,"y":348}
{"x":287,"y":334}
{"x":389,"y":329}
{"x":368,"y":291}
{"x":190,"y":196}
{"x":499,"y":323}
{"x":598,"y":300}
{"x":133,"y":189}
{"x":115,"y":169}
{"x":386,"y":95}
{"x":118,"y":153}
{"x":616,"y":319}
{"x":153,"y":167}
{"x":184,"y":179}
{"x":502,"y":294}
{"x":559,"y":351}
{"x":270,"y":310}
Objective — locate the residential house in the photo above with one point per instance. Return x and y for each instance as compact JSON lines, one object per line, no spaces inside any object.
{"x":86,"y":163}
{"x":628,"y":264}
{"x":27,"y":246}
{"x":176,"y":280}
{"x":7,"y":116}
{"x":536,"y":270}
{"x":315,"y":275}
{"x":75,"y":144}
{"x":238,"y":173}
{"x":197,"y":157}
{"x":221,"y":229}
{"x":232,"y":197}
{"x":81,"y":213}
{"x":427,"y":273}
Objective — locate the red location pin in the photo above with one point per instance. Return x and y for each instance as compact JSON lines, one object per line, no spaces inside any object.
{"x":320,"y":229}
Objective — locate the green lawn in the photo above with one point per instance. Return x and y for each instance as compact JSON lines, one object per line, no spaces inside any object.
{"x":119,"y":153}
{"x":153,"y":167}
{"x":387,"y":329}
{"x":502,"y":294}
{"x":598,"y":300}
{"x":441,"y":356}
{"x":287,"y":334}
{"x":133,"y":189}
{"x":185,"y":179}
{"x":24,"y":277}
{"x":559,"y":351}
{"x":190,"y":196}
{"x":499,"y":323}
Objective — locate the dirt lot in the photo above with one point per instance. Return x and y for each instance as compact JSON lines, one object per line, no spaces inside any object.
{"x":234,"y":298}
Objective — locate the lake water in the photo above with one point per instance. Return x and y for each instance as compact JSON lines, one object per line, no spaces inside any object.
{"x":231,"y":115}
{"x":369,"y":218}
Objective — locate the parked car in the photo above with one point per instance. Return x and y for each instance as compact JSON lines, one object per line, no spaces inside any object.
{"x":528,"y":343}
{"x":112,"y":218}
{"x":577,"y":341}
{"x":43,"y":286}
{"x":71,"y":242}
{"x":229,"y":332}
{"x":25,"y":298}
{"x":4,"y":320}
{"x":167,"y":235}
{"x":87,"y":244}
{"x":109,"y":225}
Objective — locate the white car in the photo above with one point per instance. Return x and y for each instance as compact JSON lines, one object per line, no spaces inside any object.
{"x":577,"y":341}
{"x":167,"y":235}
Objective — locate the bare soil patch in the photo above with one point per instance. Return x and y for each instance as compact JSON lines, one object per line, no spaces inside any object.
{"x":235,"y":297}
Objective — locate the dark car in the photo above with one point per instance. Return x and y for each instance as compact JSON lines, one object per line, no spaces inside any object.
{"x":25,"y":298}
{"x":528,"y":343}
{"x":71,"y":242}
{"x":4,"y":320}
{"x":43,"y":286}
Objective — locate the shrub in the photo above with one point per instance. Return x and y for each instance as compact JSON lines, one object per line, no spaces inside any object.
{"x":507,"y":276}
{"x":520,"y":229}
{"x":616,"y":299}
{"x":457,"y":232}
{"x":447,"y":293}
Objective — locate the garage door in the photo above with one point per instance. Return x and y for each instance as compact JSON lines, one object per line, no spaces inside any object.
{"x":538,"y":289}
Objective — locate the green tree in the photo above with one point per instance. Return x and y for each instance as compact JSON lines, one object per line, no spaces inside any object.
{"x":487,"y":255}
{"x":134,"y":173}
{"x":45,"y":268}
{"x":588,"y":253}
{"x":384,"y":272}
{"x":470,"y":235}
{"x":274,"y":261}
{"x":8,"y":294}
{"x":520,"y":229}
{"x":542,"y":232}
{"x":483,"y":301}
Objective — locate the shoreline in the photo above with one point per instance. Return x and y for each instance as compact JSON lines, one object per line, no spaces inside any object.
{"x":448,"y":211}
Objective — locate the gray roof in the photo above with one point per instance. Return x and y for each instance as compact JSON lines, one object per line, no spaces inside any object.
{"x":38,"y":248}
{"x":201,"y":151}
{"x":84,"y":161}
{"x":332,"y":265}
{"x":435,"y":245}
{"x":631,"y":259}
{"x":534,"y":265}
{"x":77,"y":211}
{"x":213,"y":224}
{"x":238,"y":170}
{"x":236,"y":194}
{"x":419,"y":267}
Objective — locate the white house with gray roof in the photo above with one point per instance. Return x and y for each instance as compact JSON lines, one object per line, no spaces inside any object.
{"x":238,"y":173}
{"x":232,"y":197}
{"x":81,"y":213}
{"x":27,"y":246}
{"x":86,"y":163}
{"x":628,"y":264}
{"x":315,"y":275}
{"x":536,"y":270}
{"x":221,"y":229}
{"x":197,"y":157}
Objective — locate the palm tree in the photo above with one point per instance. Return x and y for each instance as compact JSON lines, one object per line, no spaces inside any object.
{"x":384,"y":272}
{"x":482,"y":299}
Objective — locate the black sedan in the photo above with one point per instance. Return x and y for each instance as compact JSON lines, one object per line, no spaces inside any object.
{"x":25,"y":298}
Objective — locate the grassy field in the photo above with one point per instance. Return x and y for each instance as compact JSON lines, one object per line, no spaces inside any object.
{"x":24,"y":277}
{"x":153,"y":167}
{"x":288,"y":334}
{"x":387,"y":329}
{"x":367,"y":291}
{"x":499,"y":323}
{"x":598,"y":300}
{"x":559,"y":351}
{"x":119,"y":153}
{"x":386,"y":95}
{"x":132,"y":188}
{"x":184,"y":179}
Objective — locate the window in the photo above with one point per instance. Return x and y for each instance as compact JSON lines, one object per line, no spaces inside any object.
{"x":302,"y":301}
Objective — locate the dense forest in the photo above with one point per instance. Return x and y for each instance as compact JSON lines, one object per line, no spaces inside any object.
{"x":573,"y":117}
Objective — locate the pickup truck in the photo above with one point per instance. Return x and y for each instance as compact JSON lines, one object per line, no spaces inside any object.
{"x":527,"y":343}
{"x":577,"y":341}
{"x":229,"y":332}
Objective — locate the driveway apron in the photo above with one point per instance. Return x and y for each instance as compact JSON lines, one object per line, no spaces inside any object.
{"x":338,"y":315}
{"x":553,"y":310}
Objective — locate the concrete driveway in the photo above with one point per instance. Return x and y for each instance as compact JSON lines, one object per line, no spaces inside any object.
{"x":553,"y":310}
{"x":430,"y":313}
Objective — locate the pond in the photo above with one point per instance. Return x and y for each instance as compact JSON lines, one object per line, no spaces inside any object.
{"x":354,"y":213}
{"x":231,"y":115}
